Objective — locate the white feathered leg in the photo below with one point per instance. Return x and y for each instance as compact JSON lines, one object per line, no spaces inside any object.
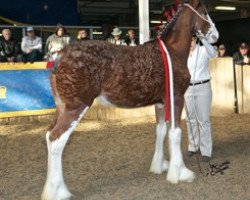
{"x":158,"y":164}
{"x":55,"y":188}
{"x":177,"y":170}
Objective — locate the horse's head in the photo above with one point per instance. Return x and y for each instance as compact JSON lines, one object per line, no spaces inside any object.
{"x":203,"y":24}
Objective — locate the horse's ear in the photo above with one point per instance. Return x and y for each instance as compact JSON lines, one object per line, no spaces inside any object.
{"x":194,"y":3}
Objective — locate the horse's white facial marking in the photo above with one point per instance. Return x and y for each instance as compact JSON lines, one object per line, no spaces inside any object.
{"x":104,"y":101}
{"x":212,"y":35}
{"x":55,"y":188}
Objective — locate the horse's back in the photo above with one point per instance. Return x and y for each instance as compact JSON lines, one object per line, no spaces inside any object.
{"x":126,"y":76}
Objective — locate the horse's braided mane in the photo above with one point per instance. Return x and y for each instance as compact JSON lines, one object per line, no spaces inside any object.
{"x":171,"y":15}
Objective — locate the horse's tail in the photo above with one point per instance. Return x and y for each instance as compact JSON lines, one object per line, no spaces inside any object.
{"x":53,"y":77}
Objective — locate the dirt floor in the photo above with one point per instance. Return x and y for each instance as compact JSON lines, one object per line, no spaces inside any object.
{"x":111,"y":160}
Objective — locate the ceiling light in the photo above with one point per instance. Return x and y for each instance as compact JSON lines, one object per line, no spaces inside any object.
{"x":230,"y":8}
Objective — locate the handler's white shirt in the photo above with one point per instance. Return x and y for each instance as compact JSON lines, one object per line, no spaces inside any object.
{"x":199,"y":62}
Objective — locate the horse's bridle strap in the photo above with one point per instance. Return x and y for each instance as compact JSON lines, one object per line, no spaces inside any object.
{"x":186,"y":4}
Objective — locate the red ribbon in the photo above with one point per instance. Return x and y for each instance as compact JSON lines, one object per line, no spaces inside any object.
{"x":167,"y":87}
{"x":50,"y":64}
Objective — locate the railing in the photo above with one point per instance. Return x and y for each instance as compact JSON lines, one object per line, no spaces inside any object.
{"x":94,"y":32}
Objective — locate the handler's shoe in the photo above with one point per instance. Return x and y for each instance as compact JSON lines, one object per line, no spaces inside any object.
{"x":206,"y":158}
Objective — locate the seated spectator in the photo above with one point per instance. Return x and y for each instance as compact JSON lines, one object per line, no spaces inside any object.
{"x":222,"y":51}
{"x":242,"y":57}
{"x":31,"y":46}
{"x":56,"y":42}
{"x":82,"y":35}
{"x":9,"y":50}
{"x":130,"y":39}
{"x":116,"y":39}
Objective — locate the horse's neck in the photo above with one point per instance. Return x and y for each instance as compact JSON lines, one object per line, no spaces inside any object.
{"x":179,"y":39}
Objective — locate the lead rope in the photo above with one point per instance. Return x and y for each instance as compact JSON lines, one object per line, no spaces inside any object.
{"x":196,"y":116}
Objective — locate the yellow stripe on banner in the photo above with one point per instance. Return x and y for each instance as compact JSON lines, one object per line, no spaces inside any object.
{"x":22,"y":66}
{"x":26,"y":113}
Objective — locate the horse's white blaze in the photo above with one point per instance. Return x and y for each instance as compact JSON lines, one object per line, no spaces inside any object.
{"x":158,"y":164}
{"x":212,"y":35}
{"x":177,"y":170}
{"x":55,"y":188}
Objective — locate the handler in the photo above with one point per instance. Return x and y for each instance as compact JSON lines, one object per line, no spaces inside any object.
{"x":198,"y":99}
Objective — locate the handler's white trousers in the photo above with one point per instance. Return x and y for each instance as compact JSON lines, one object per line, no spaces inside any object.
{"x":198,"y":100}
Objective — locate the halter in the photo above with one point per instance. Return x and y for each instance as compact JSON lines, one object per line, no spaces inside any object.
{"x":185,"y":4}
{"x":212,"y":34}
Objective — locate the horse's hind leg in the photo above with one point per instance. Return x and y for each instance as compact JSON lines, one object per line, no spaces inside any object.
{"x":158,"y":164}
{"x":55,"y":188}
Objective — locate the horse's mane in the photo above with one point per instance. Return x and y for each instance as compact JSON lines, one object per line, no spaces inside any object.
{"x":171,"y":15}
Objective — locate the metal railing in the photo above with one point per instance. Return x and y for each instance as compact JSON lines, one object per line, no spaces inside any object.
{"x":94,"y":32}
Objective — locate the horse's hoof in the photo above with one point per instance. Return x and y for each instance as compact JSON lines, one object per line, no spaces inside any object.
{"x":187,"y":175}
{"x":173,"y":174}
{"x":176,"y":174}
{"x":157,"y":168}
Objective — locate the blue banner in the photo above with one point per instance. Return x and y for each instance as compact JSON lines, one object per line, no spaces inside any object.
{"x":22,"y":91}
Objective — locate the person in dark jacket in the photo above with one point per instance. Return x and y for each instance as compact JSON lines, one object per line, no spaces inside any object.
{"x":130,"y":38}
{"x":242,"y":57}
{"x":9,"y":50}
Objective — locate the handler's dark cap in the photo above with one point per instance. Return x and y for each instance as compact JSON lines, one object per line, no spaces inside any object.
{"x":244,"y":45}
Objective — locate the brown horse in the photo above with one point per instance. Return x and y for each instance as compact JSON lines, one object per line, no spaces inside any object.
{"x":126,"y":77}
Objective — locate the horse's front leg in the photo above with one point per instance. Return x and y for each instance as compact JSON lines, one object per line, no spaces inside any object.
{"x":158,"y":164}
{"x":177,"y":171}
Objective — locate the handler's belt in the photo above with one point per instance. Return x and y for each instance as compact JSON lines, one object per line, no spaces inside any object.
{"x":198,"y":83}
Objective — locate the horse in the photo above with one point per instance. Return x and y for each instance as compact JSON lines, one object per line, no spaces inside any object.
{"x":127,"y":77}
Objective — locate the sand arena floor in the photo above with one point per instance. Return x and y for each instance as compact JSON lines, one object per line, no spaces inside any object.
{"x":110,"y":161}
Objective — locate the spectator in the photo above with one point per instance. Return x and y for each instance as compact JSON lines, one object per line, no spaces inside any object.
{"x":31,"y":46}
{"x":82,"y":35}
{"x":9,"y":50}
{"x":56,"y":42}
{"x":130,"y":39}
{"x":116,"y":39}
{"x":222,"y":51}
{"x":198,"y":99}
{"x":216,"y":50}
{"x":242,"y":57}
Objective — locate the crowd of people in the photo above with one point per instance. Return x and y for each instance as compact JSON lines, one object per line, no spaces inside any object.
{"x":241,"y":57}
{"x":31,"y":44}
